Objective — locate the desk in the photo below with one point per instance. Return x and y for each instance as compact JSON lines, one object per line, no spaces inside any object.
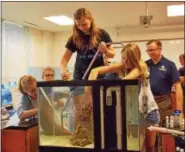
{"x":166,"y":142}
{"x":20,"y":137}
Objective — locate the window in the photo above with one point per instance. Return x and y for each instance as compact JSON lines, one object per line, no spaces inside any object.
{"x":175,"y":10}
{"x":14,"y":51}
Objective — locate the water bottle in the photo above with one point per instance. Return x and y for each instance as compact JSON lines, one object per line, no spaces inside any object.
{"x":177,"y":118}
{"x":2,"y":86}
{"x":3,"y":95}
{"x":167,"y":122}
{"x":177,"y":149}
{"x":171,"y":122}
{"x":2,"y":92}
{"x":9,"y":96}
{"x":181,"y":150}
{"x":14,"y":84}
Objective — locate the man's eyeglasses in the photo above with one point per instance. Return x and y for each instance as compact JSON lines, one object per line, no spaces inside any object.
{"x":49,"y":75}
{"x":151,"y":50}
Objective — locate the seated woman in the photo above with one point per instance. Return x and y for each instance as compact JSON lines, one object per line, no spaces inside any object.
{"x":132,"y":67}
{"x":48,"y":74}
{"x":57,"y":96}
{"x":29,"y":103}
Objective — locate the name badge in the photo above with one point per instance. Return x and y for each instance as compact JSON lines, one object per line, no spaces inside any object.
{"x":162,"y":68}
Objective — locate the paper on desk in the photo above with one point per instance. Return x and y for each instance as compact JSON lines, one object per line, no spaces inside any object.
{"x":13,"y":120}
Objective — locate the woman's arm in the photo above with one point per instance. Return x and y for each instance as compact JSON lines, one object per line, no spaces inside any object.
{"x":64,"y":61}
{"x":110,"y":52}
{"x":105,"y":69}
{"x":28,"y":113}
{"x":24,"y":110}
{"x":107,"y":50}
{"x":179,"y":96}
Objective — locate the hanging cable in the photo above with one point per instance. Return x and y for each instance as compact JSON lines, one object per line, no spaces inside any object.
{"x":146,"y":8}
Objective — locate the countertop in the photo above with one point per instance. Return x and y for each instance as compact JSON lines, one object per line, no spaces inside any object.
{"x":14,"y":123}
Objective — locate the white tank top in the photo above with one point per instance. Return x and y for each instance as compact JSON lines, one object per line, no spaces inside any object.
{"x":147,"y":102}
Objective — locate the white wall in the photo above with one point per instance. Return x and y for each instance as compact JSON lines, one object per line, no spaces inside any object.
{"x":60,"y":39}
{"x":172,"y":38}
{"x":134,"y":34}
{"x":46,"y":48}
{"x":41,"y":48}
{"x":139,"y":33}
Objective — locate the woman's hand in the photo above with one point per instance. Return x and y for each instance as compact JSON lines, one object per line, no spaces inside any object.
{"x":66,"y":76}
{"x":102,"y":47}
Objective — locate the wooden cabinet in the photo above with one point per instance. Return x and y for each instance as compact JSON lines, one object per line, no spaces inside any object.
{"x":168,"y":143}
{"x":20,"y":140}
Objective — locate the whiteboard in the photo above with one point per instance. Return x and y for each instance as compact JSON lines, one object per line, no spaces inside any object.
{"x":171,"y":49}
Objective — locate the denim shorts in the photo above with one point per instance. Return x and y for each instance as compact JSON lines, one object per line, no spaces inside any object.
{"x":153,"y":118}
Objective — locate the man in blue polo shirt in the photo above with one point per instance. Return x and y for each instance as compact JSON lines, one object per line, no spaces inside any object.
{"x":163,"y":75}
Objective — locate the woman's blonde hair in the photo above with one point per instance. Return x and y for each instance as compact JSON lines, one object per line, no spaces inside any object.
{"x":132,"y":54}
{"x":77,"y":34}
{"x":47,"y":69}
{"x":24,"y":83}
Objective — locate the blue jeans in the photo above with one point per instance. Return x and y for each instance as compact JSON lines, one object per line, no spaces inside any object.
{"x":152,"y":118}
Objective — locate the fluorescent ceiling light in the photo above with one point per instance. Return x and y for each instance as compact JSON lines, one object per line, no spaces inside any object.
{"x":60,"y":20}
{"x":175,"y":10}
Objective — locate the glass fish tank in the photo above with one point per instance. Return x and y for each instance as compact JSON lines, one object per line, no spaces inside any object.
{"x":83,"y":115}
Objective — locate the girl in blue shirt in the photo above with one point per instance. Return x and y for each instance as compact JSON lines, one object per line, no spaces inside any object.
{"x":29,"y":103}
